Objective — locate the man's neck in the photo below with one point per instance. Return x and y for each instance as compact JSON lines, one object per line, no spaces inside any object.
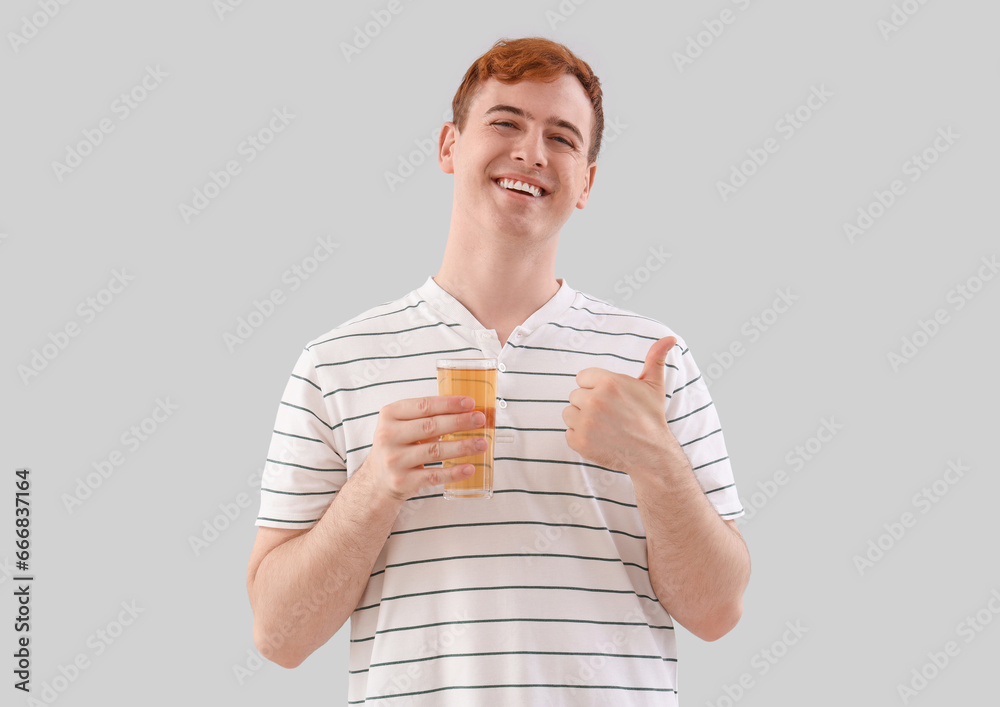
{"x":501,"y":290}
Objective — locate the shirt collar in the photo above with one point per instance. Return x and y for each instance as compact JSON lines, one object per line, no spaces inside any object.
{"x":452,"y":310}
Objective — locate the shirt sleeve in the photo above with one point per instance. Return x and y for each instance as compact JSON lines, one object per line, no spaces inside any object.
{"x":694,"y":422}
{"x":304,"y":469}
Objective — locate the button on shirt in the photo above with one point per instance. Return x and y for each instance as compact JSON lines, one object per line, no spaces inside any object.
{"x":506,"y":600}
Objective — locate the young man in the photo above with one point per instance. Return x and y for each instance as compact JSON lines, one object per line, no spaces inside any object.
{"x":614,"y":498}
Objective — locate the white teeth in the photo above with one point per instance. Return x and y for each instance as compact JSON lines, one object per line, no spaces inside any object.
{"x":511,"y":184}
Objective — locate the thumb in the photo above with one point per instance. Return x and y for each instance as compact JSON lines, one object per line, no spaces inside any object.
{"x":656,"y":357}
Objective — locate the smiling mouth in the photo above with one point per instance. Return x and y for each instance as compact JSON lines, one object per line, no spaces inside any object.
{"x":520,"y":187}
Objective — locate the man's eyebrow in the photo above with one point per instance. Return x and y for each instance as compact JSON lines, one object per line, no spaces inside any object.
{"x":501,"y":108}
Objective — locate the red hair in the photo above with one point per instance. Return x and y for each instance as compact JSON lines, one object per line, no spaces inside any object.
{"x":530,"y":59}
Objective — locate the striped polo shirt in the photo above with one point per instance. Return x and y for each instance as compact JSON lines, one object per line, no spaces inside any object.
{"x":540,"y":595}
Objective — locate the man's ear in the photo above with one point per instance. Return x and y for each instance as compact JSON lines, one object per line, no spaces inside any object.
{"x":446,"y":147}
{"x":591,"y":173}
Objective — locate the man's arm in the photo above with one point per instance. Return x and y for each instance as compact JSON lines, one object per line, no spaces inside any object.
{"x":303,"y":585}
{"x":699,"y":565}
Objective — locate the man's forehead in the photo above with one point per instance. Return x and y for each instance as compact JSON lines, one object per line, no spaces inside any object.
{"x":561,"y":97}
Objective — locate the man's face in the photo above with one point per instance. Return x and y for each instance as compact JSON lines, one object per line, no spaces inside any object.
{"x":532,"y":132}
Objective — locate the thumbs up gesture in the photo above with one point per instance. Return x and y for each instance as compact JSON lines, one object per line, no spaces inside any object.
{"x":617,"y":421}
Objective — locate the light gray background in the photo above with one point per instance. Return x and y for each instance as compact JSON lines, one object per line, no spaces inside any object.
{"x":678,"y":133}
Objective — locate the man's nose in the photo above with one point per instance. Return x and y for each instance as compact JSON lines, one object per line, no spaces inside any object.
{"x":530,"y":148}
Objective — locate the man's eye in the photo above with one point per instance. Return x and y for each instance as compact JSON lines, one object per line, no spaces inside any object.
{"x":566,"y":142}
{"x":504,"y":123}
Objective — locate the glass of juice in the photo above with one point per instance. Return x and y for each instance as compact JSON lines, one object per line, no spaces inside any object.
{"x":476,"y":378}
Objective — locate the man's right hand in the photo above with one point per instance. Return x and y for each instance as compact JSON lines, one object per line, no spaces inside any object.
{"x":333,"y":560}
{"x":406,"y":438}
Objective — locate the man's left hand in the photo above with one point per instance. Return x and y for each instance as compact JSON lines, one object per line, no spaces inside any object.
{"x":618,"y":421}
